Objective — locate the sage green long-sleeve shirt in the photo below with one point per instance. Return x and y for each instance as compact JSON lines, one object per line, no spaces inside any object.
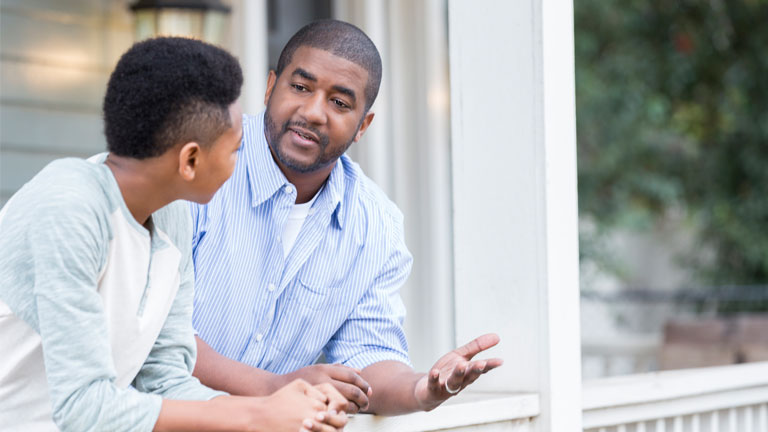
{"x":95,"y":309}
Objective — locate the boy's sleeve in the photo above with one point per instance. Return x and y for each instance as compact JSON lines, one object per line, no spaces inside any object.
{"x":67,"y":246}
{"x":168,"y":368}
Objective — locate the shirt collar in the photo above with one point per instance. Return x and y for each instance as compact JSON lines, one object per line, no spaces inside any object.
{"x":265,"y":178}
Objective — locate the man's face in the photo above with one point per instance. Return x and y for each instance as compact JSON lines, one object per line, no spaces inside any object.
{"x":220,"y":158}
{"x":315,"y":110}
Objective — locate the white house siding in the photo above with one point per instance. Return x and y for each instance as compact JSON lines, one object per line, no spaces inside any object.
{"x":55,"y":60}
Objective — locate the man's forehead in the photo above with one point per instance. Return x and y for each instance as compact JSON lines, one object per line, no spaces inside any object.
{"x":325,"y":65}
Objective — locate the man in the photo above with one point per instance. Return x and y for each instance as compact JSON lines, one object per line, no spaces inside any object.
{"x":300,"y":254}
{"x":96,"y":272}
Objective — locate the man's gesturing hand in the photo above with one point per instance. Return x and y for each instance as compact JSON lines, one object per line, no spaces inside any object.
{"x":457,"y":370}
{"x":345,"y":379}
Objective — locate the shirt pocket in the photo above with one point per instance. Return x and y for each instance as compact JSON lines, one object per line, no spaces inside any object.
{"x":314,"y":295}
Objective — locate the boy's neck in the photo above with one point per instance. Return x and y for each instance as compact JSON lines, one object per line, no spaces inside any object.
{"x":144,"y":184}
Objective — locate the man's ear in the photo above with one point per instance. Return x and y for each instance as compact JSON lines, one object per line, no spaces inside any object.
{"x":364,"y":125}
{"x":189,"y":160}
{"x":271,"y":80}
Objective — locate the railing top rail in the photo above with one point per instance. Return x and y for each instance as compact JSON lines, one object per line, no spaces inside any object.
{"x":467,"y":409}
{"x":667,"y":385}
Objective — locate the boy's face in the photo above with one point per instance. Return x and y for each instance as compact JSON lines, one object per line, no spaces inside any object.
{"x":218,"y":161}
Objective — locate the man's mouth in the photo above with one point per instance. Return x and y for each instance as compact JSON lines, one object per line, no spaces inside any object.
{"x":306,"y":135}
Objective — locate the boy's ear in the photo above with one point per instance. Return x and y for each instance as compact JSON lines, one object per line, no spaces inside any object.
{"x":189,"y":160}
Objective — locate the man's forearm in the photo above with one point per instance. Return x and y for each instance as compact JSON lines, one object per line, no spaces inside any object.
{"x":393,"y":384}
{"x":221,"y":373}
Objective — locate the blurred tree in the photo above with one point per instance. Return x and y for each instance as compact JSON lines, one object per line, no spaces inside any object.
{"x":672,"y":112}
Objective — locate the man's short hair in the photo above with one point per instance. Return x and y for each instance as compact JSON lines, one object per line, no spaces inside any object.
{"x":340,"y":39}
{"x":166,"y":91}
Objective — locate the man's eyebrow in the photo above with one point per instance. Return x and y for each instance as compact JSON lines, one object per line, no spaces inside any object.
{"x":304,"y":74}
{"x":337,"y":88}
{"x":346,"y":91}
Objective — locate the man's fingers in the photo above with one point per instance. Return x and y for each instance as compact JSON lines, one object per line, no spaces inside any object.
{"x":353,"y":394}
{"x":493,"y":363}
{"x":478,"y":345}
{"x":456,"y":379}
{"x":474,"y":370}
{"x":350,"y":376}
{"x":433,"y":381}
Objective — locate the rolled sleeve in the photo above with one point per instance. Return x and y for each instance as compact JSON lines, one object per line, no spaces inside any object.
{"x":374,"y":330}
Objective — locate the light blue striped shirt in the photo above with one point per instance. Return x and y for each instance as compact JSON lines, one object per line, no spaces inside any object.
{"x":337,"y":291}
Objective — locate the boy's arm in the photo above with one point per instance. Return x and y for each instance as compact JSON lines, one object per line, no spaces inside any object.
{"x":67,"y":253}
{"x":168,"y":368}
{"x":68,"y":244}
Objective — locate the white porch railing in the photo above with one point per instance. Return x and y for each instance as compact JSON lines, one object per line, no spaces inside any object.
{"x":487,"y":412}
{"x":717,"y":399}
{"x":628,"y":354}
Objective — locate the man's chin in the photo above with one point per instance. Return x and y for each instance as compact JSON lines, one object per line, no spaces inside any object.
{"x":300,"y":163}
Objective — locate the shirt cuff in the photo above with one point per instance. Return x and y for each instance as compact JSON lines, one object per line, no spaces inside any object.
{"x":365,"y":359}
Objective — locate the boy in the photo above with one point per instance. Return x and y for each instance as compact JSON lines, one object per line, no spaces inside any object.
{"x":96,"y":274}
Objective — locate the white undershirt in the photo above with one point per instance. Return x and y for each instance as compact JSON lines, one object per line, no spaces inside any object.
{"x":296,"y":217}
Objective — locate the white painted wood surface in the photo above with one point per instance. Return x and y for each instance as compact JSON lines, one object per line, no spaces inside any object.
{"x":491,"y":412}
{"x":718,"y":399}
{"x":514,"y":196}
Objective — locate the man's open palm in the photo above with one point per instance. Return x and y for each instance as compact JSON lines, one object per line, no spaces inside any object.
{"x":456,"y":370}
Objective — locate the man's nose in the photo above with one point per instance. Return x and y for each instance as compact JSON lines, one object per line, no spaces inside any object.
{"x":313,"y":109}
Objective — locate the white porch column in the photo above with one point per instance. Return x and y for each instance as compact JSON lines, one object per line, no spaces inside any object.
{"x":514,"y":196}
{"x":249,"y":44}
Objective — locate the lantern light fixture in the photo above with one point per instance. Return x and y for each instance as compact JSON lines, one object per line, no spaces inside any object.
{"x":200,"y":19}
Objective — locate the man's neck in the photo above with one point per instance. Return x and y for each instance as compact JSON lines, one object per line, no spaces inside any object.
{"x":141,"y":185}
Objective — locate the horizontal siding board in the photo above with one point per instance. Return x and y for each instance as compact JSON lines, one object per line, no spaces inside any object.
{"x":68,"y":7}
{"x":50,"y":131}
{"x":60,"y":43}
{"x":55,"y":60}
{"x":26,"y":83}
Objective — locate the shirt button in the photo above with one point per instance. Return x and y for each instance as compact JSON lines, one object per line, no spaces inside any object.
{"x":271,"y":287}
{"x":259,"y":337}
{"x":288,"y":189}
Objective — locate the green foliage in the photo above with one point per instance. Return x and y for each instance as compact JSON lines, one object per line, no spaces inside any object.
{"x":672,"y":112}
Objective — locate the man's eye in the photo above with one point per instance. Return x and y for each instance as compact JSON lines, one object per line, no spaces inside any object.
{"x":299,"y":87}
{"x":340,"y":103}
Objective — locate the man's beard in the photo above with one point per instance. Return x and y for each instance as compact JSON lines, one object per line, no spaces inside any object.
{"x":274,"y":135}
